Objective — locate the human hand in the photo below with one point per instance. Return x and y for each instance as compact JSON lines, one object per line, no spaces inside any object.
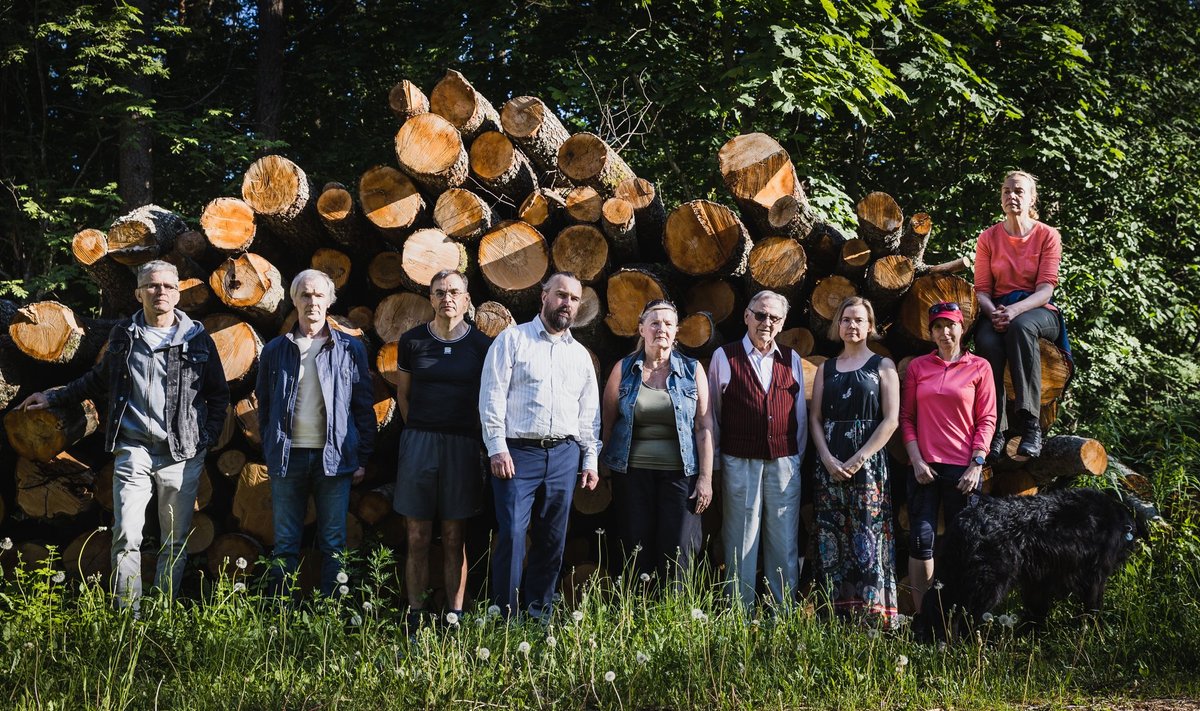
{"x":923,"y":472}
{"x":36,"y":401}
{"x":359,"y":475}
{"x":835,"y":467}
{"x":703,"y":493}
{"x":589,"y":479}
{"x":1001,"y":317}
{"x":970,"y":479}
{"x":502,"y":465}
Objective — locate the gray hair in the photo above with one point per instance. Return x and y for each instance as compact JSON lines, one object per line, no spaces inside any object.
{"x":313,"y":274}
{"x":768,"y":294}
{"x":550,"y":279}
{"x":448,"y":273}
{"x":157,"y":265}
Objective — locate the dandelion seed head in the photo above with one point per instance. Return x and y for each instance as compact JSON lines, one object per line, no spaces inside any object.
{"x":872,"y":633}
{"x":577,"y":615}
{"x":343,"y":590}
{"x":610,"y":676}
{"x":642,"y":657}
{"x":644,"y":577}
{"x":272,"y":630}
{"x":599,"y":531}
{"x":551,"y":642}
{"x":986,"y":617}
{"x":938,"y":585}
{"x":698,"y":614}
{"x":367,"y":606}
{"x":342,"y":577}
{"x":638,"y":549}
{"x":483,"y":653}
{"x":59,"y":577}
{"x":101,"y":529}
{"x":355,"y":620}
{"x":241,"y":563}
{"x":6,"y":544}
{"x":524,"y":647}
{"x":452,"y":618}
{"x":942,"y":647}
{"x":493,"y":610}
{"x":239,"y":586}
{"x":901,"y":661}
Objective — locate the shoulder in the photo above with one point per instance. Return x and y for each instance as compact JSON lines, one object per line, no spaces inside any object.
{"x":886,"y":364}
{"x":990,"y":233}
{"x":415,"y":333}
{"x":1048,"y":235}
{"x":274,"y":345}
{"x":479,"y":338}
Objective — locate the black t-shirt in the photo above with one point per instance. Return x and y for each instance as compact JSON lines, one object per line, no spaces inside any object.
{"x":444,"y":394}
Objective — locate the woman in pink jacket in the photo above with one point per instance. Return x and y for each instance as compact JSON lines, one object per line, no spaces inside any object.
{"x":947,"y":417}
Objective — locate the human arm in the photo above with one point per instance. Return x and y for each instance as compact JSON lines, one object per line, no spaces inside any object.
{"x":889,"y":400}
{"x":704,"y":443}
{"x":718,"y":377}
{"x":403,"y":384}
{"x":216,"y":395}
{"x":88,"y":386}
{"x":589,"y":424}
{"x":608,"y":404}
{"x":493,"y":402}
{"x":801,"y":405}
{"x":816,"y":426}
{"x":362,"y":405}
{"x":908,"y":422}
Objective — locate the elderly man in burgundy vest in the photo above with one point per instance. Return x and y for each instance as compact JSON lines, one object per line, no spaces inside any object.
{"x":757,"y":391}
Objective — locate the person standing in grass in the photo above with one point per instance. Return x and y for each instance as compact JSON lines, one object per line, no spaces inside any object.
{"x":854,"y":411}
{"x":317,"y":420}
{"x":439,"y":366}
{"x":757,"y":392}
{"x":658,"y":444}
{"x":167,"y":401}
{"x":539,"y":406}
{"x":947,"y":416}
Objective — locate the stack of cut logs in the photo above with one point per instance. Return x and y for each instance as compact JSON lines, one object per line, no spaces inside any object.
{"x":506,"y":196}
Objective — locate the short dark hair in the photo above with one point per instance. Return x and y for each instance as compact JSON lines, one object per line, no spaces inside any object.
{"x":569,"y":275}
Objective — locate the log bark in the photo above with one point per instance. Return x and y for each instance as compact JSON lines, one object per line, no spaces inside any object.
{"x":777,"y":264}
{"x":115,"y":281}
{"x":50,"y":332}
{"x":193,"y":246}
{"x":501,"y":168}
{"x":391,"y":202}
{"x":629,"y":289}
{"x":917,"y":230}
{"x":584,"y":204}
{"x":407,"y":100}
{"x":285,"y":200}
{"x":491,"y":317}
{"x":880,"y":223}
{"x":853,"y":261}
{"x":384,"y":404}
{"x":913,"y":316}
{"x":343,"y":220}
{"x":64,"y":486}
{"x":587,"y":160}
{"x":544,"y":209}
{"x":791,"y":217}
{"x":698,"y":334}
{"x":238,"y":346}
{"x":824,"y":248}
{"x":649,"y":214}
{"x":430,"y":151}
{"x":253,"y":286}
{"x":617,"y":220}
{"x":463,"y":106}
{"x":229,"y":225}
{"x":514,"y":259}
{"x":334,"y":263}
{"x":758,"y":172}
{"x":463,"y":215}
{"x":427,"y":252}
{"x":397,"y":313}
{"x":716,"y":296}
{"x":146,"y":233}
{"x":953,"y":266}
{"x":1064,"y":457}
{"x":538,"y":132}
{"x":888,"y":278}
{"x":703,"y":238}
{"x":827,"y":296}
{"x":41,"y":435}
{"x":581,"y":250}
{"x":12,"y":379}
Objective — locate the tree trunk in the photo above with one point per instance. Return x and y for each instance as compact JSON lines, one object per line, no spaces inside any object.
{"x":1056,"y":374}
{"x":427,"y":252}
{"x":193,"y":246}
{"x":827,"y":297}
{"x":387,"y":362}
{"x":538,"y":132}
{"x":397,"y":313}
{"x":649,"y":214}
{"x":269,"y":87}
{"x":913,"y":317}
{"x":253,"y":286}
{"x":430,"y":151}
{"x":135,"y":179}
{"x":344,"y":221}
{"x":824,"y":248}
{"x":791,"y":217}
{"x":491,"y":317}
{"x":465,"y":108}
{"x":90,"y":250}
{"x":799,"y":339}
{"x":391,"y":202}
{"x":758,"y":172}
{"x":196,"y":299}
{"x":386,"y":272}
{"x":880,"y":223}
{"x":581,"y":250}
{"x":915,"y":236}
{"x":777,"y":264}
{"x":407,"y":100}
{"x":230,"y":462}
{"x":41,"y":435}
{"x":855,"y":257}
{"x":238,"y":346}
{"x":545,"y":210}
{"x":888,"y":278}
{"x":229,"y":225}
{"x":703,"y":238}
{"x":63,"y":486}
{"x":50,"y":332}
{"x":501,"y":168}
{"x":514,"y":259}
{"x":629,"y":289}
{"x":618,"y":222}
{"x":584,"y":204}
{"x":463,"y":215}
{"x":335,"y":263}
{"x":245,"y":412}
{"x":587,"y":160}
{"x":146,"y":233}
{"x":283,"y":198}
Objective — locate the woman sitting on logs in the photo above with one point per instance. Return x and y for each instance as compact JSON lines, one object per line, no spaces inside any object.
{"x":947,"y":417}
{"x":658,"y":444}
{"x":852,"y":415}
{"x":1016,"y":270}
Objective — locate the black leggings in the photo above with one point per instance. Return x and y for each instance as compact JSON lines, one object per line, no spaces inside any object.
{"x":923,"y":503}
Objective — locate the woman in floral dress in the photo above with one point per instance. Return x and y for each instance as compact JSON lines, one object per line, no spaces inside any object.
{"x":854,"y":411}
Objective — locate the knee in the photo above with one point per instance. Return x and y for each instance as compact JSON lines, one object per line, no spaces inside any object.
{"x":453,"y":538}
{"x":921,"y":539}
{"x":419,"y":538}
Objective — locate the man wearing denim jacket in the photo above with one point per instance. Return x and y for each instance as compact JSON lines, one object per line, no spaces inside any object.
{"x":167,"y":402}
{"x":317,"y":420}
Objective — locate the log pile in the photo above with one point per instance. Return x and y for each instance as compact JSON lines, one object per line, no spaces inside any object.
{"x":505,"y":195}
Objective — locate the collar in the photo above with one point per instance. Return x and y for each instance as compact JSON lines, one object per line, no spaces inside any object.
{"x":539,"y":327}
{"x":750,"y":349}
{"x":327,"y":332}
{"x":966,"y":357}
{"x":673,"y":359}
{"x":183,"y":326}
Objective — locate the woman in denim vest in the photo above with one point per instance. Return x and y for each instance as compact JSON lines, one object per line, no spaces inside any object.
{"x":658,"y":444}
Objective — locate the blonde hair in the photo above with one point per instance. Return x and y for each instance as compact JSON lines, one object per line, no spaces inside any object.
{"x":1033,"y":212}
{"x":835,"y":334}
{"x":650,"y":307}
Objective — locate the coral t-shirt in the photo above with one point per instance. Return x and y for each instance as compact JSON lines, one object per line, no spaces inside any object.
{"x":1004,"y":263}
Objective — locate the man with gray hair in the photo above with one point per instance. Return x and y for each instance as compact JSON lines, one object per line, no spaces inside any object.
{"x":167,"y":402}
{"x":317,"y":421}
{"x":761,"y":428}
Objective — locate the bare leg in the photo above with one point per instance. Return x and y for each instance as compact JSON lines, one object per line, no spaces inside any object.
{"x":416,"y":568}
{"x":920,"y":575}
{"x":454,"y":562}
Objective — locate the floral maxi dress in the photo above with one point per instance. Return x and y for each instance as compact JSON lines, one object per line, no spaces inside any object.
{"x":854,"y":518}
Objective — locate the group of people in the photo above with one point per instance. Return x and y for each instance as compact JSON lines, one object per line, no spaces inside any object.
{"x":524,"y":413}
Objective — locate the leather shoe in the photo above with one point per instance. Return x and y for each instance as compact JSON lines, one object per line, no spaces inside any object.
{"x":1031,"y":439}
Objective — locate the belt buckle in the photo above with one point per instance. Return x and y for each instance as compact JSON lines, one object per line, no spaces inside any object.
{"x":547,"y":442}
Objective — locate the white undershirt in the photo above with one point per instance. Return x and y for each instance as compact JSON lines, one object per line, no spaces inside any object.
{"x":308,"y":419}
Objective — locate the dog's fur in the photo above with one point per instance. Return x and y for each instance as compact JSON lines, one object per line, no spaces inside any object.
{"x":1048,"y":546}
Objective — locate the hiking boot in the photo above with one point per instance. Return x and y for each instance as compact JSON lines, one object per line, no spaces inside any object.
{"x":997,"y":448}
{"x":1031,"y":438}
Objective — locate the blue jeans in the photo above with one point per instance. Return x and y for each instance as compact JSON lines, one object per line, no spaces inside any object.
{"x":289,"y":504}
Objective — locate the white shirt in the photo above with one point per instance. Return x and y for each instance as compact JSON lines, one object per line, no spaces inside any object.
{"x":719,"y":374}
{"x":536,"y":385}
{"x":309,"y":418}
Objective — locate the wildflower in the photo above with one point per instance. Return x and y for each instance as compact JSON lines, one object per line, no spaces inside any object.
{"x":483,"y":653}
{"x":901,"y":661}
{"x":452,"y":618}
{"x":1008,"y":620}
{"x":901,"y":620}
{"x":698,"y":614}
{"x":241,"y":563}
{"x":367,"y":606}
{"x":642,"y":657}
{"x":493,"y":610}
{"x":644,"y":577}
{"x":599,"y":531}
{"x":59,"y":577}
{"x":637,"y":548}
{"x":480,"y":622}
{"x":343,"y":590}
{"x":272,"y":630}
{"x":577,"y":615}
{"x":610,"y":676}
{"x":239,"y":587}
{"x":101,"y":529}
{"x":986,"y":617}
{"x":872,"y":633}
{"x":524,"y":648}
{"x":551,"y":642}
{"x":938,"y":585}
{"x":6,"y":544}
{"x":355,"y":620}
{"x":342,"y":577}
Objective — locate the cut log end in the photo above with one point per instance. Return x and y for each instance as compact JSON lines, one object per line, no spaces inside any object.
{"x":407,"y":100}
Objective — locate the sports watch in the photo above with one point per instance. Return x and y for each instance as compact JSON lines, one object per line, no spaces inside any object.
{"x":978,"y":460}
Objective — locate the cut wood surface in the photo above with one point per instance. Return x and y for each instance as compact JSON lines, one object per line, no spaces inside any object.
{"x":587,"y":160}
{"x":1056,"y":373}
{"x":427,"y":252}
{"x":854,"y":258}
{"x":888,"y":278}
{"x":89,"y":556}
{"x":201,"y":534}
{"x":915,"y":236}
{"x":253,"y":286}
{"x":230,"y":462}
{"x":827,"y":296}
{"x":617,"y":222}
{"x":397,"y":313}
{"x":63,"y":486}
{"x":41,"y":435}
{"x":514,"y":259}
{"x":698,"y":334}
{"x":583,"y":204}
{"x":387,"y":362}
{"x":537,"y":130}
{"x":463,"y":215}
{"x":649,"y":214}
{"x":880,"y":222}
{"x":228,"y":225}
{"x":777,"y":264}
{"x":47,"y":331}
{"x":758,"y":172}
{"x":238,"y":346}
{"x":799,"y":339}
{"x":228,"y":549}
{"x":390,"y":201}
{"x":715,"y":296}
{"x":492,"y":317}
{"x":334,"y":263}
{"x":407,"y":100}
{"x":629,"y":289}
{"x":544,"y":209}
{"x":245,"y":412}
{"x":343,"y":219}
{"x":581,"y":250}
{"x":89,"y":248}
{"x":285,"y":200}
{"x":501,"y":169}
{"x":430,"y":150}
{"x":386,"y":271}
{"x":703,"y":237}
{"x":913,"y":317}
{"x":196,"y":299}
{"x":466,"y":109}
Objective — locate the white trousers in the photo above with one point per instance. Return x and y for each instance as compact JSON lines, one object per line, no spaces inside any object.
{"x":761,"y":502}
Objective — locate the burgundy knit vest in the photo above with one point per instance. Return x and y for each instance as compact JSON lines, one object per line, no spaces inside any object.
{"x":757,"y":424}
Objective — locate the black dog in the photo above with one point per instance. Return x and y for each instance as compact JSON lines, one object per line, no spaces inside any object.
{"x":1049,"y":546}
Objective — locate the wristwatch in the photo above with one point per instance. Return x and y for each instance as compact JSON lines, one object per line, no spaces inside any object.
{"x":978,"y":460}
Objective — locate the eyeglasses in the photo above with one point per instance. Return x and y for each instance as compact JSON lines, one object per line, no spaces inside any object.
{"x":761,"y":316}
{"x":943,"y":307}
{"x":159,"y":287}
{"x":440,"y":294}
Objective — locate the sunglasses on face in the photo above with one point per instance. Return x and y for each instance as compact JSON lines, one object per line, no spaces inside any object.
{"x":943,"y":307}
{"x":761,"y":316}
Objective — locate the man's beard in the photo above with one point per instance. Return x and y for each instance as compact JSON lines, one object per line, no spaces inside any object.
{"x":560,"y":319}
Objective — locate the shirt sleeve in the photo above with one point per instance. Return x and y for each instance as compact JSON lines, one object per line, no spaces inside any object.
{"x":589,"y":415}
{"x":718,"y":378}
{"x":404,"y":353}
{"x":985,"y":407}
{"x":983,"y":265}
{"x":493,"y":391}
{"x":1050,"y":258}
{"x":908,"y":402}
{"x":801,"y":405}
{"x":362,"y":403}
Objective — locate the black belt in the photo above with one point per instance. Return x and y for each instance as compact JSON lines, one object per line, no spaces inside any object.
{"x":541,"y":442}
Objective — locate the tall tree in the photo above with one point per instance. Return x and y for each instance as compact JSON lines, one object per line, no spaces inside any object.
{"x":269,"y":87}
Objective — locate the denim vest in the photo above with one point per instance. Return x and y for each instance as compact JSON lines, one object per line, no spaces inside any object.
{"x":681,"y":386}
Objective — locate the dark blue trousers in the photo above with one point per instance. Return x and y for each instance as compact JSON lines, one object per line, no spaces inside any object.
{"x":540,"y":493}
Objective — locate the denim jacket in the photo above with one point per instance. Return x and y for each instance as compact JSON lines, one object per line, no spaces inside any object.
{"x":681,"y":386}
{"x":197,"y":394}
{"x":349,"y":402}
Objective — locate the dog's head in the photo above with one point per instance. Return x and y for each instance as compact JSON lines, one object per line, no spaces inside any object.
{"x":1141,"y":515}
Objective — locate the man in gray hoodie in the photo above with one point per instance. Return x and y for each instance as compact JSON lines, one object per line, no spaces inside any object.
{"x":167,"y":401}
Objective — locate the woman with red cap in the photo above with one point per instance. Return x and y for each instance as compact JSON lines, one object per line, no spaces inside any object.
{"x":947,"y":417}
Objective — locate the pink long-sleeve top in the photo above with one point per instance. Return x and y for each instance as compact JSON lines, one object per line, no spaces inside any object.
{"x":1004,"y":263}
{"x":948,"y":408}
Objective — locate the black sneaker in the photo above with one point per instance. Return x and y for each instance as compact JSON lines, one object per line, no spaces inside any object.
{"x":997,"y":448}
{"x":1031,"y":438}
